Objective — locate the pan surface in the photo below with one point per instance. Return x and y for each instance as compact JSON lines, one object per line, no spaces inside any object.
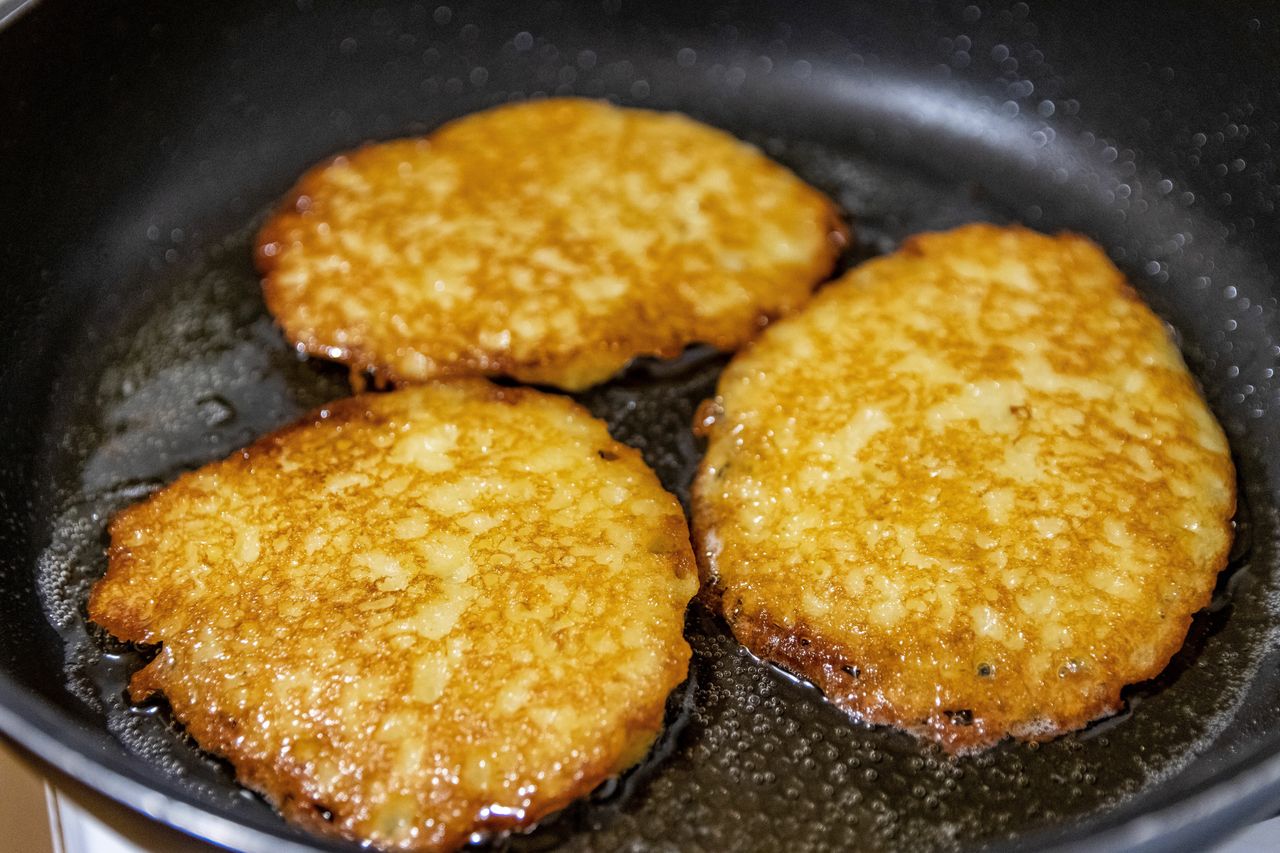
{"x":141,"y":143}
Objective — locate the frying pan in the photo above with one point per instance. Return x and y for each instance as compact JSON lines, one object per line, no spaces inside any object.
{"x":140,"y":142}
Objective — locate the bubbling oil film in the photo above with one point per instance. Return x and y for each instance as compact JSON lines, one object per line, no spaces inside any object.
{"x":751,"y":759}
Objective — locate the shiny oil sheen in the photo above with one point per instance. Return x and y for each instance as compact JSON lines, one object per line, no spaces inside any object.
{"x":140,"y":144}
{"x":751,"y":759}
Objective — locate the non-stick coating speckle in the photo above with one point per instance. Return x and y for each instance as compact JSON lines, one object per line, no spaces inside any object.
{"x":751,"y":760}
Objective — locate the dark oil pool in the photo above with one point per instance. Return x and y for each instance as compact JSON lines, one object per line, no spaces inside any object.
{"x":751,"y":760}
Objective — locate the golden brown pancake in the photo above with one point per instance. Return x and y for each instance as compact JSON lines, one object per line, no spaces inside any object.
{"x":551,"y":241}
{"x":970,"y":491}
{"x":415,"y":615}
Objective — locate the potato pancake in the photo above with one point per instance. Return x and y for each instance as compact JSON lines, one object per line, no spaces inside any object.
{"x":415,"y":615}
{"x":551,"y":241}
{"x":970,"y":491}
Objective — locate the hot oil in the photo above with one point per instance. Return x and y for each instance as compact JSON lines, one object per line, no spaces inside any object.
{"x":750,"y":760}
{"x":197,"y":372}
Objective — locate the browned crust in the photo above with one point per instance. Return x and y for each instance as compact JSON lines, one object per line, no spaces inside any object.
{"x":541,"y":370}
{"x":829,"y":666}
{"x":640,"y":340}
{"x":834,"y":669}
{"x":284,"y":782}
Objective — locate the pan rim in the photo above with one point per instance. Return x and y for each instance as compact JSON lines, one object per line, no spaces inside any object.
{"x":11,"y":10}
{"x":31,"y":722}
{"x":1244,"y":790}
{"x":46,"y":733}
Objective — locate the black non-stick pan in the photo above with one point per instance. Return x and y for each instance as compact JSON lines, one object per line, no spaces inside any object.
{"x":140,"y":143}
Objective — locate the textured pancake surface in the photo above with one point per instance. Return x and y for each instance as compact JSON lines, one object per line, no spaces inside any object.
{"x":414,"y":615}
{"x":551,"y":241}
{"x":970,"y":491}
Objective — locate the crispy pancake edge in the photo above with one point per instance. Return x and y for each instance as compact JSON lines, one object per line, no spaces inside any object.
{"x":478,"y":361}
{"x":829,"y":667}
{"x":283,"y":783}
